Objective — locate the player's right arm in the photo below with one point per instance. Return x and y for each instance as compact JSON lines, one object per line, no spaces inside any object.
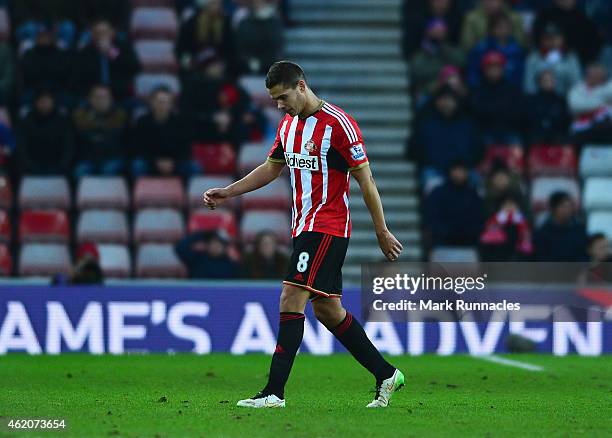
{"x":262,"y":175}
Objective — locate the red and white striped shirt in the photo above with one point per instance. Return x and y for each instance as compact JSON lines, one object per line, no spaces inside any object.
{"x":320,"y":152}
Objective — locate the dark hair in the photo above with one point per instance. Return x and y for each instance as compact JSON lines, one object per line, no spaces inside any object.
{"x":285,"y":73}
{"x":161,"y":89}
{"x":556,"y":199}
{"x":100,"y":85}
{"x":497,"y":19}
{"x":594,"y":238}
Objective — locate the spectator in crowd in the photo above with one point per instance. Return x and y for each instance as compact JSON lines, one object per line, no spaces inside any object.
{"x":454,"y":210}
{"x":161,"y":140}
{"x":259,"y":38}
{"x":552,"y":54}
{"x":108,"y":60}
{"x":7,"y":74}
{"x":7,"y":148}
{"x":100,"y":135}
{"x":30,"y":17}
{"x":86,"y":269}
{"x":44,"y":138}
{"x":507,"y":234}
{"x":579,"y":31}
{"x":548,"y":116}
{"x":44,"y":65}
{"x":477,"y":23}
{"x":415,"y":22}
{"x":499,"y":39}
{"x":598,"y":248}
{"x":561,"y":238}
{"x":450,"y":77}
{"x":443,"y":134}
{"x":219,"y":108}
{"x":208,"y":32}
{"x":502,"y":183}
{"x":497,"y":104}
{"x":266,"y":260}
{"x":206,"y":256}
{"x":428,"y":61}
{"x":116,"y":12}
{"x":590,"y":102}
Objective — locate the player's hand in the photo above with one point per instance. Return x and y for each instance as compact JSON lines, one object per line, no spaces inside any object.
{"x":389,"y":245}
{"x":215,"y":197}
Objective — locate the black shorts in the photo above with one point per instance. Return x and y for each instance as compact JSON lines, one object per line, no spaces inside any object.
{"x":316,"y":263}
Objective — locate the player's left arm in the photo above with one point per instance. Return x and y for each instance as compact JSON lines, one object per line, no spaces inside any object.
{"x":389,"y":245}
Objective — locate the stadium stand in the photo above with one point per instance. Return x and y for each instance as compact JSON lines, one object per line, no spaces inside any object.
{"x":159,"y":192}
{"x":44,"y":192}
{"x":156,"y":56}
{"x":543,"y":187}
{"x":600,"y":222}
{"x":102,"y":192}
{"x":115,"y":261}
{"x":255,"y":221}
{"x":6,"y":261}
{"x":5,"y":227}
{"x":44,"y":226}
{"x":158,"y":260}
{"x":154,"y":22}
{"x":199,"y":184}
{"x":216,"y":158}
{"x":206,"y":220}
{"x":597,"y":193}
{"x":6,"y":193}
{"x":145,"y":83}
{"x":596,"y":161}
{"x":274,"y":196}
{"x":158,"y":225}
{"x":44,"y":259}
{"x":103,"y":226}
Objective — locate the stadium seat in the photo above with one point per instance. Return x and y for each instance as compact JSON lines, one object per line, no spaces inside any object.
{"x":115,"y":261}
{"x":159,"y":192}
{"x":215,"y":158}
{"x":158,"y":260}
{"x":44,"y":259}
{"x":163,"y":225}
{"x":597,"y":193}
{"x":444,"y":254}
{"x":511,"y":155}
{"x":6,"y":193}
{"x":199,"y":184}
{"x":546,"y":160}
{"x":5,"y":227}
{"x":274,"y":196}
{"x":103,"y":192}
{"x":255,"y":86}
{"x":213,"y":220}
{"x":103,"y":226}
{"x":145,"y":83}
{"x":255,"y":221}
{"x":156,"y":56}
{"x":543,"y":187}
{"x":6,"y":261}
{"x":252,"y":155}
{"x":44,"y":192}
{"x":600,"y":222}
{"x":154,"y":22}
{"x":5,"y":25}
{"x":44,"y":226}
{"x":596,"y":161}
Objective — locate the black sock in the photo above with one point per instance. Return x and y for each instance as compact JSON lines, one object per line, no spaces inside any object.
{"x":351,"y":334}
{"x":290,"y":333}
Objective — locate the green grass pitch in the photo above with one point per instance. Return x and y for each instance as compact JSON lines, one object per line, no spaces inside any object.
{"x":195,"y":396}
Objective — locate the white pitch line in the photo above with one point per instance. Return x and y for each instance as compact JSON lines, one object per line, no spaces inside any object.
{"x":510,"y":362}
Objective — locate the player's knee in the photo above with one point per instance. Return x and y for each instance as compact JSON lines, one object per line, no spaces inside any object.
{"x":329,"y":316}
{"x":292,"y":300}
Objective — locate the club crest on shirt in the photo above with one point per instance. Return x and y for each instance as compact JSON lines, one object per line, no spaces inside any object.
{"x":310,"y":146}
{"x":357,"y":152}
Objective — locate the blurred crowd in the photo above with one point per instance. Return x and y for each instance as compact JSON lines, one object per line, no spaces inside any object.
{"x":514,"y":76}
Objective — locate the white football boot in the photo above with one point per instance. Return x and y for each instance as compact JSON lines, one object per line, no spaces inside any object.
{"x":386,"y":390}
{"x":262,"y":401}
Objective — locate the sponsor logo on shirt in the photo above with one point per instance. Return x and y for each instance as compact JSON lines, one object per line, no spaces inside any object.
{"x":357,"y":152}
{"x":302,"y":162}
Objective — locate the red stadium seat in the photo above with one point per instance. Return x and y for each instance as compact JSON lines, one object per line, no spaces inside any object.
{"x":159,"y":192}
{"x":145,"y":83}
{"x":115,"y":261}
{"x":199,"y":184}
{"x":44,"y":226}
{"x":274,"y":196}
{"x":162,"y":225}
{"x":255,"y":221}
{"x":251,"y":156}
{"x":156,"y":56}
{"x":552,"y":161}
{"x":6,"y":193}
{"x":213,"y":220}
{"x":5,"y":227}
{"x":6,"y":261}
{"x":103,"y":192}
{"x":215,"y":158}
{"x":44,"y":259}
{"x":156,"y":22}
{"x":44,"y":192}
{"x":511,"y":155}
{"x":543,"y":187}
{"x":103,"y":226}
{"x":155,"y":260}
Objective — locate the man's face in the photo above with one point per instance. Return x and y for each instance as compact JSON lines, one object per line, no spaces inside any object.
{"x":564,"y":211}
{"x":267,"y":246}
{"x":216,"y":248}
{"x":600,"y":250}
{"x":502,"y":30}
{"x":437,"y":32}
{"x":459,"y":175}
{"x":45,"y":104}
{"x":492,"y":7}
{"x":289,"y":100}
{"x":439,"y":7}
{"x":161,"y":104}
{"x":547,"y":81}
{"x":596,"y":75}
{"x":101,"y":99}
{"x":446,"y":104}
{"x":494,"y":72}
{"x":102,"y":31}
